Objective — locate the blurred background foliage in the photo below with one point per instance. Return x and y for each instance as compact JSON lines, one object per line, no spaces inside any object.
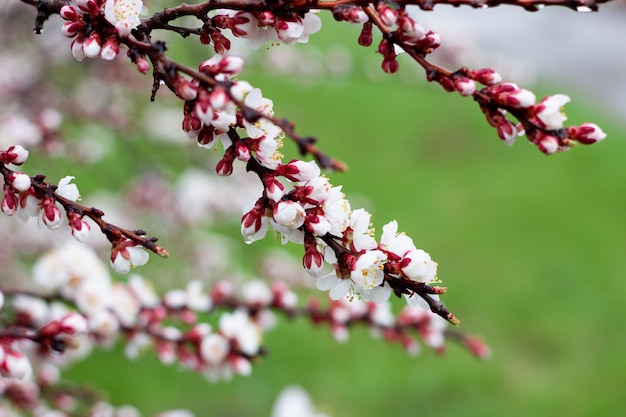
{"x":531,"y":248}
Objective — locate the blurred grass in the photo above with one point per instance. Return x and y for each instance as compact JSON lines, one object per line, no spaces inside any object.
{"x":531,"y":247}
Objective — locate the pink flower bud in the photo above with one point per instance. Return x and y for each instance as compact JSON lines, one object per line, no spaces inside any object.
{"x":548,"y":144}
{"x":252,"y":221}
{"x":203,"y":108}
{"x":19,"y":181}
{"x":521,"y":98}
{"x":274,"y":189}
{"x":587,"y":133}
{"x":242,"y":152}
{"x":429,"y":42}
{"x":10,"y":201}
{"x":80,"y":228}
{"x":266,"y":18}
{"x":289,"y":214}
{"x":231,"y":65}
{"x":16,"y":365}
{"x":77,"y":49}
{"x":241,"y":365}
{"x":92,"y":46}
{"x":465,"y":86}
{"x":218,"y":99}
{"x":110,"y":50}
{"x":15,"y":155}
{"x":185,"y":90}
{"x":366,"y":37}
{"x":224,"y":167}
{"x":507,"y":131}
{"x":357,"y":15}
{"x":70,"y":29}
{"x":68,"y":12}
{"x":390,"y":65}
{"x":313,"y":262}
{"x":142,"y":65}
{"x":317,"y":225}
{"x":409,"y":29}
{"x":84,"y":5}
{"x":486,"y":76}
{"x":51,"y":215}
{"x":387,"y":14}
{"x":73,"y":323}
{"x":300,"y":171}
{"x":192,"y":123}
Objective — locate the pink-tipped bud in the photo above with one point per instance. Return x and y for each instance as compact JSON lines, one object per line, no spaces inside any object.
{"x":192,"y":123}
{"x":69,"y":12}
{"x":231,"y":65}
{"x":92,"y":45}
{"x":51,"y":215}
{"x":203,"y":108}
{"x":266,"y":18}
{"x":507,"y":131}
{"x":242,"y":152}
{"x":486,"y":76}
{"x":300,"y":171}
{"x":110,"y":50}
{"x":9,"y":202}
{"x":357,"y":15}
{"x":429,"y":42}
{"x":225,"y":166}
{"x":70,"y":29}
{"x":77,"y":49}
{"x":240,"y":365}
{"x":142,"y":65}
{"x":511,"y":95}
{"x":80,"y":228}
{"x":89,"y":6}
{"x":218,"y":99}
{"x":390,"y":65}
{"x":19,"y":181}
{"x":465,"y":86}
{"x":274,"y":189}
{"x":289,"y":214}
{"x":548,"y":144}
{"x":252,"y":221}
{"x":388,"y":15}
{"x":16,"y":365}
{"x":366,"y":37}
{"x":15,"y":155}
{"x":317,"y":225}
{"x":409,"y":29}
{"x":587,"y":133}
{"x":185,"y":89}
{"x":73,"y":323}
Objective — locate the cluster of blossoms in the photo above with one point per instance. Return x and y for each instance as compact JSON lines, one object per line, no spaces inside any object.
{"x":541,"y":122}
{"x":297,"y":201}
{"x":83,"y":307}
{"x":98,"y":25}
{"x":258,"y":28}
{"x":51,"y":204}
{"x":402,"y":28}
{"x":19,"y":193}
{"x":212,"y":114}
{"x":76,"y":306}
{"x":209,"y":112}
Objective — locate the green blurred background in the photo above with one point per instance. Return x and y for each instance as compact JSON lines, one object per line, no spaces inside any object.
{"x":531,"y":248}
